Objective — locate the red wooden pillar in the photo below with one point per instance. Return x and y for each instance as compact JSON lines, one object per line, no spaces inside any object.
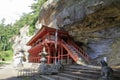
{"x":49,"y":57}
{"x":59,"y":53}
{"x":67,"y":58}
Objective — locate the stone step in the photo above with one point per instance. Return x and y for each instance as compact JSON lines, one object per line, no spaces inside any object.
{"x":55,"y":77}
{"x":82,"y":74}
{"x":37,"y":77}
{"x":60,"y":77}
{"x":77,"y":72}
{"x":84,"y":67}
{"x":90,"y":71}
{"x":47,"y":77}
{"x":82,"y":70}
{"x":76,"y":77}
{"x":67,"y":76}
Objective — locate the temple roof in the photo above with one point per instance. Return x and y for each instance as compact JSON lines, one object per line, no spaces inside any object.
{"x":42,"y":32}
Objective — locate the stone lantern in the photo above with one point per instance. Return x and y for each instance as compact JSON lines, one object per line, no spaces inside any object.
{"x":43,"y":55}
{"x":43,"y":66}
{"x":46,"y":68}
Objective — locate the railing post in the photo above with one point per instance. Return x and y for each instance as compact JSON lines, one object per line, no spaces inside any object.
{"x":67,"y":58}
{"x":61,"y":54}
{"x":48,"y":59}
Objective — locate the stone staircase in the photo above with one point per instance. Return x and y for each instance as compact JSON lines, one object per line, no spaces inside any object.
{"x":77,"y":72}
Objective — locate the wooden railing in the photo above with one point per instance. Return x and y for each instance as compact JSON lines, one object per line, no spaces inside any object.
{"x":34,"y":59}
{"x":82,"y":52}
{"x":70,"y":46}
{"x":51,"y":59}
{"x":70,"y":52}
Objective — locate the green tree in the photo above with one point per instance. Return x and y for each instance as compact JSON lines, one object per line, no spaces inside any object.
{"x":32,"y":17}
{"x":8,"y":31}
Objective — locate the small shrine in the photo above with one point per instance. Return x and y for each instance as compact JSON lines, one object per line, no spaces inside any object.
{"x":58,"y":45}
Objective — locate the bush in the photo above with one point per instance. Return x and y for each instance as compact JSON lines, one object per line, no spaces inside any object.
{"x":6,"y":55}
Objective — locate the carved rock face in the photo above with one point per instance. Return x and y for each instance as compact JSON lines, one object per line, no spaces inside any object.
{"x":20,"y":42}
{"x":94,"y":23}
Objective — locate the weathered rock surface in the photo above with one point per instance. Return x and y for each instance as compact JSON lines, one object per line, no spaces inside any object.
{"x":94,"y":24}
{"x":20,"y":42}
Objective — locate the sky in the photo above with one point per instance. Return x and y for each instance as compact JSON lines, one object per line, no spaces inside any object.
{"x":11,"y":10}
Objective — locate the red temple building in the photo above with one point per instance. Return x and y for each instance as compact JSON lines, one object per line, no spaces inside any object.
{"x":58,"y":45}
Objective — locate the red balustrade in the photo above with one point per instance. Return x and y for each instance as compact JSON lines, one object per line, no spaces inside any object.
{"x":34,"y":59}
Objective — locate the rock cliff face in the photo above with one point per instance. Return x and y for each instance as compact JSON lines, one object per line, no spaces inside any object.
{"x":20,"y":42}
{"x":93,"y":24}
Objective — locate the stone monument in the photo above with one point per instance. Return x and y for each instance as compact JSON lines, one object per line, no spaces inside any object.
{"x":106,"y":71}
{"x":48,"y":69}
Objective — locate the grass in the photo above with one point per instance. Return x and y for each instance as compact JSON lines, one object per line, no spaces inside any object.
{"x":4,"y":62}
{"x":6,"y":55}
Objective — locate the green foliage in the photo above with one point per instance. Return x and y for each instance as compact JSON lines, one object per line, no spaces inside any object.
{"x":35,"y":13}
{"x":8,"y":31}
{"x":7,"y":55}
{"x":32,"y":17}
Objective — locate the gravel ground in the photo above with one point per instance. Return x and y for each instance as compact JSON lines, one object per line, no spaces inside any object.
{"x":8,"y":72}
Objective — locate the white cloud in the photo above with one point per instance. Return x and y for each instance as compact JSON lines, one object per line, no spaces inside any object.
{"x":11,"y":10}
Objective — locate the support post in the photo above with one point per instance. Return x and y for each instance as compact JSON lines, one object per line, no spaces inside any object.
{"x":49,"y":61}
{"x":58,"y":53}
{"x":67,"y":58}
{"x":61,"y":54}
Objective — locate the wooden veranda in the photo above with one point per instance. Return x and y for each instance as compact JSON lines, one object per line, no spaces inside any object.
{"x":66,"y":51}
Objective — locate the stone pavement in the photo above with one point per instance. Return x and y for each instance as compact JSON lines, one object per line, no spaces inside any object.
{"x":8,"y":72}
